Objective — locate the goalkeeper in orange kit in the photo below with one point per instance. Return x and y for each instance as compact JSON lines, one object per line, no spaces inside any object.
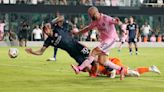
{"x":99,"y":70}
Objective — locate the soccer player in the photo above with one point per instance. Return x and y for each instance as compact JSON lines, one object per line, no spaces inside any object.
{"x":132,"y":28}
{"x":124,"y":33}
{"x":60,"y":38}
{"x":106,"y":27}
{"x":102,"y":70}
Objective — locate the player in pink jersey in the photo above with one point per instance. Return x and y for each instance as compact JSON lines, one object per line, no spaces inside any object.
{"x":124,"y":33}
{"x":106,"y":27}
{"x":1,"y":30}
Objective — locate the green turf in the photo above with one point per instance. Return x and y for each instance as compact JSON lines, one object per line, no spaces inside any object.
{"x":28,"y":73}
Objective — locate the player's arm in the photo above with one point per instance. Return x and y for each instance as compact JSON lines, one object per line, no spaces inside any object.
{"x":37,"y":52}
{"x":115,"y":20}
{"x":84,"y":30}
{"x":57,"y":19}
{"x":137,"y":31}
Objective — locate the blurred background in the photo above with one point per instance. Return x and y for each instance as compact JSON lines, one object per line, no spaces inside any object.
{"x":30,"y":15}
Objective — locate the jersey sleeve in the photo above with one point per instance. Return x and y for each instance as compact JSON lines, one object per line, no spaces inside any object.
{"x":111,"y":20}
{"x":47,"y":42}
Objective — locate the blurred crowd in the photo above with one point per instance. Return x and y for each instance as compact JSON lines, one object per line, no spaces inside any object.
{"x":84,"y":2}
{"x":24,"y":27}
{"x":26,"y":33}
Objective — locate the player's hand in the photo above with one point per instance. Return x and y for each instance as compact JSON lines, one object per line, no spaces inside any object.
{"x":118,"y":21}
{"x":28,"y":50}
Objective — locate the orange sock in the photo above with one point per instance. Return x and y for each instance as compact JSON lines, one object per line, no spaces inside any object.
{"x":142,"y":70}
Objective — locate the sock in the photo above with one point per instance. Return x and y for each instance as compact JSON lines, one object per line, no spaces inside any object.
{"x":142,"y":70}
{"x":87,"y":62}
{"x":136,"y":49}
{"x":130,"y":50}
{"x":55,"y":52}
{"x":112,"y":65}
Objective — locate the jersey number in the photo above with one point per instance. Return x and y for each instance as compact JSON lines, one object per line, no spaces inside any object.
{"x":85,"y":51}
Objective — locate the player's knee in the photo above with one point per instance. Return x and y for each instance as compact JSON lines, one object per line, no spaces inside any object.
{"x":95,"y":52}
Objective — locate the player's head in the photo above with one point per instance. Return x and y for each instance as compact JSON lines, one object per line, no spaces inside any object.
{"x":131,"y":19}
{"x":146,"y":23}
{"x":93,"y":13}
{"x":47,"y":29}
{"x":126,"y":20}
{"x":59,"y":20}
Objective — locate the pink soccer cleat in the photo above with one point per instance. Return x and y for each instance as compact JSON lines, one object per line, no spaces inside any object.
{"x":75,"y":68}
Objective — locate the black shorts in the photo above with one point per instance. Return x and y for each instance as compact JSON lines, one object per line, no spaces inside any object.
{"x":22,"y":36}
{"x":80,"y":59}
{"x":131,"y":40}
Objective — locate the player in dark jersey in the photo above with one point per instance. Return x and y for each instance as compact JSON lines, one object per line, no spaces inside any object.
{"x":60,"y":38}
{"x":132,"y":29}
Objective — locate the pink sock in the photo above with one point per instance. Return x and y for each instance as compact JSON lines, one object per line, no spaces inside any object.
{"x":112,"y":65}
{"x":87,"y":62}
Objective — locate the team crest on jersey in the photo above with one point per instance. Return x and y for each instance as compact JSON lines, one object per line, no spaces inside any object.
{"x":56,"y":34}
{"x":103,"y":24}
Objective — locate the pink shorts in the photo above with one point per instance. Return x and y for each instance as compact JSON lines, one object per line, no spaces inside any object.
{"x":106,"y":45}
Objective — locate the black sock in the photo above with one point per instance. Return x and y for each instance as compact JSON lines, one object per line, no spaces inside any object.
{"x":130,"y":49}
{"x":136,"y":49}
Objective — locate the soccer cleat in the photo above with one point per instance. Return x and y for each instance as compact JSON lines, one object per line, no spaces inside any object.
{"x":113,"y":74}
{"x":51,"y":59}
{"x":75,"y":68}
{"x":122,"y":75}
{"x":154,"y":69}
{"x":131,"y":53}
{"x":133,"y":73}
{"x":136,"y":53}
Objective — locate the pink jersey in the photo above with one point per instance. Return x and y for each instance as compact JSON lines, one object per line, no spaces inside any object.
{"x":106,"y":27}
{"x":2,"y":27}
{"x":1,"y":30}
{"x":124,"y":30}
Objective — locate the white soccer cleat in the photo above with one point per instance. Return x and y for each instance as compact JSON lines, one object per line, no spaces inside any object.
{"x":131,"y":53}
{"x":133,"y":73}
{"x":113,"y":74}
{"x":154,"y":69}
{"x":51,"y":59}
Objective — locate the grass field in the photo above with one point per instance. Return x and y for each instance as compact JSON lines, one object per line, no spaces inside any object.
{"x":28,"y":73}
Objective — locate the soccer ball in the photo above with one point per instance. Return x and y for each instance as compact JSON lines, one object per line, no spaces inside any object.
{"x":13,"y":52}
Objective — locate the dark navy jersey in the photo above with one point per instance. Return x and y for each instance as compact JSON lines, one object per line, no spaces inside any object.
{"x":132,"y":28}
{"x":62,"y":39}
